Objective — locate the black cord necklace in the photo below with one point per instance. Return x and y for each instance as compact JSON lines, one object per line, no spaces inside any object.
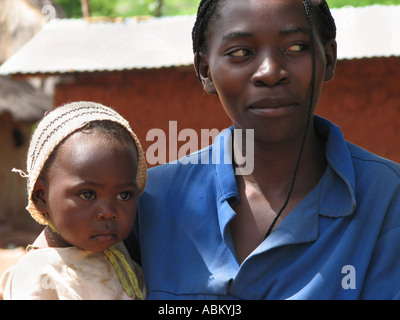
{"x":309,"y":20}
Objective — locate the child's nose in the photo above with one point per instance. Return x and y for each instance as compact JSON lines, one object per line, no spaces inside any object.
{"x":106,"y":211}
{"x":271,"y":71}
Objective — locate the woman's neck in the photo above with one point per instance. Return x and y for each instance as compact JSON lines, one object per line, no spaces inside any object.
{"x":274,"y":165}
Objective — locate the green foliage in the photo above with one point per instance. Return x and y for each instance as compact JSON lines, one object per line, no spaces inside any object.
{"x":360,"y":3}
{"x":129,"y":8}
{"x":73,"y":8}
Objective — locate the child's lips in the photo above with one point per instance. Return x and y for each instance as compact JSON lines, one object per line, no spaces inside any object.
{"x":106,"y":235}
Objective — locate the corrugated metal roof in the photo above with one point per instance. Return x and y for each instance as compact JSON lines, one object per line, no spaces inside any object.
{"x":368,"y":31}
{"x":76,"y":45}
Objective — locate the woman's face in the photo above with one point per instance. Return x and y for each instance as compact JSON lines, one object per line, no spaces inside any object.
{"x":259,"y":63}
{"x":90,"y":191}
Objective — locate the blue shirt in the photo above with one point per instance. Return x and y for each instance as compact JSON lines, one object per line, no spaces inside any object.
{"x":342,"y":241}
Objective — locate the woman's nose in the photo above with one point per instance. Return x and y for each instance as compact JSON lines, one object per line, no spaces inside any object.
{"x":271,"y":71}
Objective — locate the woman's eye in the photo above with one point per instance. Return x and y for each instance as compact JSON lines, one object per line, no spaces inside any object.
{"x":239,"y":53}
{"x":87,"y":195}
{"x":297,"y":47}
{"x":124,"y":196}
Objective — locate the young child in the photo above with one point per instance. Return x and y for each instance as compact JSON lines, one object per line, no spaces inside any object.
{"x":318,"y":218}
{"x":85,"y":170}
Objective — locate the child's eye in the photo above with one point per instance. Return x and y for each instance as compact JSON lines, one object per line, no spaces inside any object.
{"x":87,"y":195}
{"x":124,"y":196}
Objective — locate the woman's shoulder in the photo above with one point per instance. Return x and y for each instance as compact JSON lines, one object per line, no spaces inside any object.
{"x":374,"y":165}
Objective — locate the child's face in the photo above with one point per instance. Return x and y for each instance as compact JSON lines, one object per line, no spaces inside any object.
{"x":90,"y":191}
{"x":259,"y":62}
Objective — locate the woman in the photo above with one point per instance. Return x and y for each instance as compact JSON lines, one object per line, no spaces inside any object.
{"x":318,"y":218}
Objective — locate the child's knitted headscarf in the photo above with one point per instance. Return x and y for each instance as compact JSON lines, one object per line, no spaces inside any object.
{"x":59,"y":124}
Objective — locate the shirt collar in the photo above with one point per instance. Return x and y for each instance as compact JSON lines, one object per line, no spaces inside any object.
{"x":224,"y":169}
{"x":337,"y":185}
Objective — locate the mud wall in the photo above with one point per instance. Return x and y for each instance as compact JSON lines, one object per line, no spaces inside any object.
{"x":363,"y":99}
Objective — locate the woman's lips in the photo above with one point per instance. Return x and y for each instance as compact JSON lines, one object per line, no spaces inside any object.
{"x":273,"y":110}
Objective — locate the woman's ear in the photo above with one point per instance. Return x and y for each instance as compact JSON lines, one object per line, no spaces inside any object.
{"x":203,"y":72}
{"x":331,"y":59}
{"x":39,"y":195}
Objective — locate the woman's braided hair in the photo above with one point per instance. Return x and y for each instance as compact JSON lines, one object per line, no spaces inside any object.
{"x":207,"y":8}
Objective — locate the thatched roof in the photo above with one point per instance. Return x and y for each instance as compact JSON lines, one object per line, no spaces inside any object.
{"x":20,"y":20}
{"x":22,"y":100}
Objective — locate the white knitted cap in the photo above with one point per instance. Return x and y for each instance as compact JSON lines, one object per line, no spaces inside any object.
{"x":60,"y":123}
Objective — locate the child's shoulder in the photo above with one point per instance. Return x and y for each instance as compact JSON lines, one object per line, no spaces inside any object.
{"x":42,"y":272}
{"x":29,"y":276}
{"x":36,"y":259}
